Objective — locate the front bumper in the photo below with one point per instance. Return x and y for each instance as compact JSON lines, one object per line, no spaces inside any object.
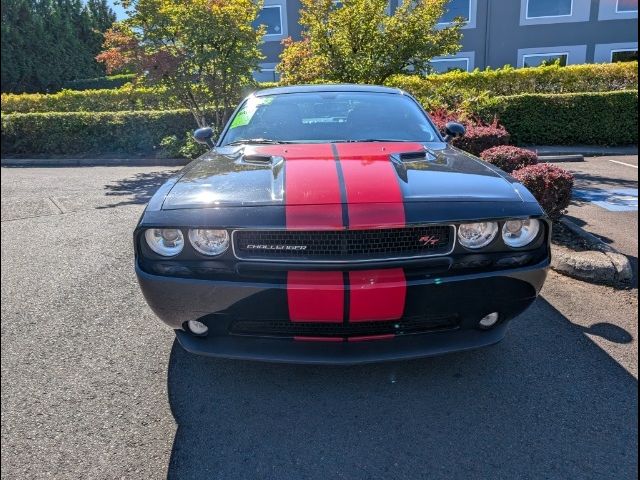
{"x":219,"y":303}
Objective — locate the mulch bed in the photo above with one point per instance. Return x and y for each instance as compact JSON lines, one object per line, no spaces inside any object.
{"x":564,"y":237}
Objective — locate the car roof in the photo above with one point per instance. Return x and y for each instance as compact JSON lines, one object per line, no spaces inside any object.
{"x":328,"y":88}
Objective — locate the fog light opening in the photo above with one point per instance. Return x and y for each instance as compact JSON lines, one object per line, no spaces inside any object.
{"x":197,"y":328}
{"x":489,"y":321}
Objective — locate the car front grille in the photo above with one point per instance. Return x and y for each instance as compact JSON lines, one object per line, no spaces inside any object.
{"x":343,"y":245}
{"x":405,"y":326}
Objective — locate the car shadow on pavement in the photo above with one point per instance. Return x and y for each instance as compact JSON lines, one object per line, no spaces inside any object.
{"x":547,"y":402}
{"x":136,"y":190}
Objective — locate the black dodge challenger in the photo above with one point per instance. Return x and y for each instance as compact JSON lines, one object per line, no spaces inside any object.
{"x":335,"y":224}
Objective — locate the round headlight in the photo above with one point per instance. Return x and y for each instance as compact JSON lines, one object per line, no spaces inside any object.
{"x":519,"y":233}
{"x":209,"y":242}
{"x":477,"y":235}
{"x":165,"y":241}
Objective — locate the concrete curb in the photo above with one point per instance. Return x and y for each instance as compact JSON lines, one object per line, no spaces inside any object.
{"x":583,"y":150}
{"x":560,"y":158}
{"x":93,"y":162}
{"x":602,"y":264}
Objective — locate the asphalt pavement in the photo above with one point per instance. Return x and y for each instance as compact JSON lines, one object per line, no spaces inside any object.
{"x":606,"y":190}
{"x":93,"y":386}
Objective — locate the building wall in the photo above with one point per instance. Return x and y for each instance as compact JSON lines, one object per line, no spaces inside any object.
{"x":500,"y":33}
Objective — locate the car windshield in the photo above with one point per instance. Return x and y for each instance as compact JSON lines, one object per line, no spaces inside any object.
{"x":329,"y":117}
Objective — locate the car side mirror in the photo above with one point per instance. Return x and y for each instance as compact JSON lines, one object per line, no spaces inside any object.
{"x":454,"y":130}
{"x":204,"y":136}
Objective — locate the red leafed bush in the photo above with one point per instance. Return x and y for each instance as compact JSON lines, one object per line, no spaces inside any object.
{"x":479,"y":137}
{"x":550,"y":185}
{"x":509,"y":158}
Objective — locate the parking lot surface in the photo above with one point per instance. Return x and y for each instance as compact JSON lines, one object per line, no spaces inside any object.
{"x":93,"y":386}
{"x":606,"y":201}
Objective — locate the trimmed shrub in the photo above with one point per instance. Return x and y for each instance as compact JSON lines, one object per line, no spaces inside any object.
{"x":479,"y":137}
{"x":606,"y":118}
{"x":100,"y":83}
{"x":181,"y":147}
{"x":122,"y":99}
{"x":509,"y":158}
{"x":458,"y":90}
{"x":91,"y":133}
{"x":551,"y":185}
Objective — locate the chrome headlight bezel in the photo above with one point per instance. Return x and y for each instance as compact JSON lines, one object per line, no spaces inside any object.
{"x":166,"y":242}
{"x":487,"y":233}
{"x":529,"y":226}
{"x":215,"y":249}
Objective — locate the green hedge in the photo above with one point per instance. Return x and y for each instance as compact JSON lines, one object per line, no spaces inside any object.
{"x":117,"y":100}
{"x":99,"y":83}
{"x":91,"y":133}
{"x":609,"y":118}
{"x":454,"y":90}
{"x":603,"y":118}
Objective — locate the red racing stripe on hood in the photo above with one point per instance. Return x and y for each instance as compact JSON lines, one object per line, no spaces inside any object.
{"x":312,"y":188}
{"x":370,"y":178}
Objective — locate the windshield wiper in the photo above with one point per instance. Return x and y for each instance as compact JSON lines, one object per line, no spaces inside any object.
{"x":257,"y":141}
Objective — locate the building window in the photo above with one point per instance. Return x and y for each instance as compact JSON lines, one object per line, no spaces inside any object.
{"x":536,"y":60}
{"x":271,"y":17}
{"x":618,"y":56}
{"x":627,"y":6}
{"x":456,"y":9}
{"x":616,"y":52}
{"x":450,"y":65}
{"x":549,"y":8}
{"x":618,"y":10}
{"x":266,"y":75}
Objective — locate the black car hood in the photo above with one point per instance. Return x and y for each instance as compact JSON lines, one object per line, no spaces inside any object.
{"x":255,"y":175}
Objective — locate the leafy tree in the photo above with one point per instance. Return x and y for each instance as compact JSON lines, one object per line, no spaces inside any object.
{"x":199,"y":50}
{"x":48,"y":42}
{"x":360,"y":42}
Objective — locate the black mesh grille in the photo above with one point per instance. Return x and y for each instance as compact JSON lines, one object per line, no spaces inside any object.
{"x":343,"y":245}
{"x":406,"y":326}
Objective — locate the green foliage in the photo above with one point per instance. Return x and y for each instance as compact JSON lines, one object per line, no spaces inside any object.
{"x":48,"y":42}
{"x":195,"y":49}
{"x":460,"y":91}
{"x":91,"y":133}
{"x":594,"y":118}
{"x":175,"y":147}
{"x":116,"y":100}
{"x":100,"y":83}
{"x":360,"y":42}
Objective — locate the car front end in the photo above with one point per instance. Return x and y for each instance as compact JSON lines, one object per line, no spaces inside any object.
{"x":340,"y":252}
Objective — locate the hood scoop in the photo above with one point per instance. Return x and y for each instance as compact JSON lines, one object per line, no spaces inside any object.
{"x":410,"y":160}
{"x":416,"y":156}
{"x":261,"y":160}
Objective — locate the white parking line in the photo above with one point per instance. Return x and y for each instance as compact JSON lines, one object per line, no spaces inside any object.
{"x":623,"y":163}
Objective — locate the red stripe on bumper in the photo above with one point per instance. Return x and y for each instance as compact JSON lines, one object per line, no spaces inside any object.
{"x":377,"y":295}
{"x":367,"y":338}
{"x":319,"y":339}
{"x":315,"y":296}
